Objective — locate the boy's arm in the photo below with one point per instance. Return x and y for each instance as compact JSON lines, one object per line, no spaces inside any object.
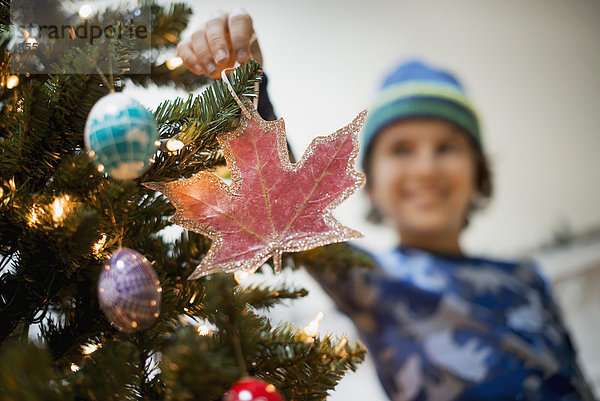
{"x":342,"y":271}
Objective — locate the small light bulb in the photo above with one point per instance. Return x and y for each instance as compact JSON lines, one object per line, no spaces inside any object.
{"x":240,"y":276}
{"x":98,"y":245}
{"x":89,"y":349}
{"x":174,"y":145}
{"x":12,"y":81}
{"x":174,"y":62}
{"x":313,"y":327}
{"x":58,"y":207}
{"x":74,"y":368}
{"x":85,"y":11}
{"x":341,"y":345}
{"x":33,"y":218}
{"x":203,"y":330}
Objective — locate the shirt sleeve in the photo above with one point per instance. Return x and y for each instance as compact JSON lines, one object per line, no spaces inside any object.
{"x":265,"y":107}
{"x":343,"y":271}
{"x":266,"y":110}
{"x":570,"y":374}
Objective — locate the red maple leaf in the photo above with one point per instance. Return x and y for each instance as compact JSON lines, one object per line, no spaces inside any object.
{"x":273,"y":205}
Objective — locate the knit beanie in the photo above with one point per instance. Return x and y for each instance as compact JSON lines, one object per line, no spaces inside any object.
{"x":415,"y":89}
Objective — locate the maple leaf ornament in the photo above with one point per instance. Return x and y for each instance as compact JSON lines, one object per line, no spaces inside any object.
{"x":273,"y":205}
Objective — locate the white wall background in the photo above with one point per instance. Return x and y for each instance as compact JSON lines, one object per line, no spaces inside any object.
{"x":532,"y":68}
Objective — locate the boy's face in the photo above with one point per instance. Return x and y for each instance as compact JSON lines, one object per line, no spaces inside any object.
{"x":422,"y":177}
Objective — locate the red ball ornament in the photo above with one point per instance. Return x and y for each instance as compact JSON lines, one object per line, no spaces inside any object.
{"x":252,"y":390}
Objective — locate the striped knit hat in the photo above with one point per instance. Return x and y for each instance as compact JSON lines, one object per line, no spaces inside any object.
{"x":415,"y":89}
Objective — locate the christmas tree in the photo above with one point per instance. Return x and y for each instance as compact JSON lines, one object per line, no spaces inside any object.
{"x":63,"y":219}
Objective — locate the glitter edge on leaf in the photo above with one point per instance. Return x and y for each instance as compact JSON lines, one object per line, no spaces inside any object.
{"x":338,"y":233}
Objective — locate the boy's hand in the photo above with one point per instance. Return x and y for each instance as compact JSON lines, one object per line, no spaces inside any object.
{"x":226,"y":38}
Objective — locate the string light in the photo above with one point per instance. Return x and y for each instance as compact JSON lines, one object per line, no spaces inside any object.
{"x":100,"y":244}
{"x":74,"y":368}
{"x":313,"y":327}
{"x":58,"y":208}
{"x":89,"y":349}
{"x":171,"y":145}
{"x":203,"y":330}
{"x":11,"y":188}
{"x":12,"y":81}
{"x":341,"y":345}
{"x":174,"y":145}
{"x":240,"y":276}
{"x":174,"y":62}
{"x":206,"y":329}
{"x":85,"y":11}
{"x":34,"y":216}
{"x":33,"y":219}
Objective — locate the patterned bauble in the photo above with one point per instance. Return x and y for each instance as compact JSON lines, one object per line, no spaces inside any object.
{"x":129,"y":291}
{"x":251,"y":389}
{"x":120,"y":135}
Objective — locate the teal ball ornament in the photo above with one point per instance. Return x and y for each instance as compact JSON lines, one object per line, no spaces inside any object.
{"x":120,"y":136}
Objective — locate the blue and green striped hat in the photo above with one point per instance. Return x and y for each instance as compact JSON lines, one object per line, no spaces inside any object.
{"x":415,"y":89}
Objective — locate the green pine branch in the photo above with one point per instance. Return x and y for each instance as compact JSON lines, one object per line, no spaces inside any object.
{"x":168,"y":24}
{"x":160,"y":75}
{"x":335,"y":260}
{"x":262,"y":296}
{"x":4,"y":16}
{"x":196,"y":122}
{"x":50,"y":258}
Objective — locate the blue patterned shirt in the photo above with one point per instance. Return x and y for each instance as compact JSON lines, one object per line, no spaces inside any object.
{"x":457,"y":328}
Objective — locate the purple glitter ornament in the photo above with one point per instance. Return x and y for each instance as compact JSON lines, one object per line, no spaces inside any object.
{"x":129,"y":291}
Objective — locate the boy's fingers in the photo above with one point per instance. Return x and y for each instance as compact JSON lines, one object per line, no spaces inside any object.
{"x":184,"y":50}
{"x":203,"y":53}
{"x":224,"y":39}
{"x":216,"y":38}
{"x":240,"y":32}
